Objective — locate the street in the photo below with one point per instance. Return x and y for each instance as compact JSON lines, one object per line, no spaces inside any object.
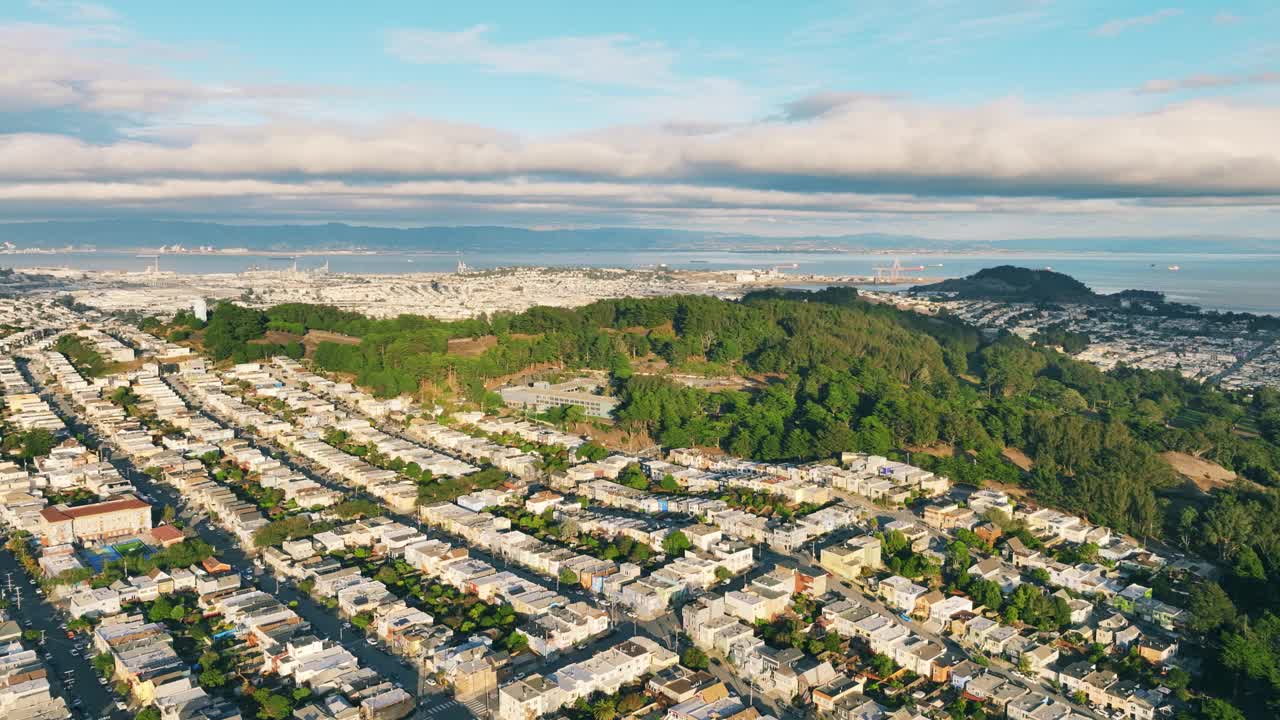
{"x":59,"y":653}
{"x":325,"y":623}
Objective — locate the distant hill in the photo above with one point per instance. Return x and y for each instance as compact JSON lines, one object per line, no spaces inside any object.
{"x":1017,"y":284}
{"x":135,"y":234}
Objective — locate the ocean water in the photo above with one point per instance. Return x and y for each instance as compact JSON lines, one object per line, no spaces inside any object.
{"x":1238,"y":282}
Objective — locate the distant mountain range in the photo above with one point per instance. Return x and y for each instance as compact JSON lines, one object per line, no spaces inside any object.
{"x":139,"y":234}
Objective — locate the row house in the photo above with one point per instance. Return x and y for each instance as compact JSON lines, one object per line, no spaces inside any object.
{"x":901,"y":593}
{"x":25,"y":692}
{"x":852,"y":558}
{"x":606,"y":672}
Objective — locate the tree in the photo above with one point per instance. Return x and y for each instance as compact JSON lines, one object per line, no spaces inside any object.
{"x":894,"y":542}
{"x":694,"y":659}
{"x":274,"y":706}
{"x":516,"y":642}
{"x":882,"y":665}
{"x":105,"y":664}
{"x":1217,"y":709}
{"x":568,"y":577}
{"x":640,"y":553}
{"x":160,"y":610}
{"x":1248,"y":566}
{"x":148,"y":713}
{"x":212,"y":678}
{"x":631,"y":702}
{"x":957,"y":559}
{"x":387,"y":575}
{"x":1210,"y":607}
{"x":723,"y":574}
{"x":355,"y":508}
{"x":873,"y":436}
{"x":675,"y":543}
{"x":604,"y":710}
{"x":633,"y":477}
{"x":1228,"y":524}
{"x":30,"y":444}
{"x":985,"y":593}
{"x":591,"y":452}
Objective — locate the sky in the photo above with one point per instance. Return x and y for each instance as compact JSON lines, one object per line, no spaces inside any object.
{"x":965,"y":119}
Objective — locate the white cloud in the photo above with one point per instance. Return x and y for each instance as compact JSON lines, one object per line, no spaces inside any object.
{"x":853,"y":157}
{"x":76,"y":11}
{"x":1208,"y":82}
{"x":1010,"y":149}
{"x":99,"y":84}
{"x":636,"y":79}
{"x":1112,"y":28}
{"x":610,"y":60}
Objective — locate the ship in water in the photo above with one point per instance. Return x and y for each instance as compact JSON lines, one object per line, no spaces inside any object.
{"x":1175,"y":268}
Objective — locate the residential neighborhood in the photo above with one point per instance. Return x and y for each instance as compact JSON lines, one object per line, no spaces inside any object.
{"x":496,"y":583}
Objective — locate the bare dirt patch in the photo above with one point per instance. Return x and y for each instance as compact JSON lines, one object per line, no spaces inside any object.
{"x":521,"y":376}
{"x":940,"y":450}
{"x":1017,"y":457}
{"x":1206,"y":474}
{"x":275,"y":337}
{"x":471,"y":347}
{"x":1014,"y":491}
{"x":313,"y":338}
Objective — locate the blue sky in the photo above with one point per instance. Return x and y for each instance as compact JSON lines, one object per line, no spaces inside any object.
{"x":937,"y":117}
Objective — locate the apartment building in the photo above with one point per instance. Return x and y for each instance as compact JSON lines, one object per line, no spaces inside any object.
{"x":115,"y":518}
{"x":849,"y":559}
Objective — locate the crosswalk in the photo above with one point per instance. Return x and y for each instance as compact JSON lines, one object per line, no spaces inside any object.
{"x":442,"y":707}
{"x":474,"y":706}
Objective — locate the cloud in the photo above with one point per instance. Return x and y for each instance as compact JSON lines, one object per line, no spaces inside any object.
{"x":634,"y":78}
{"x":868,"y":146}
{"x":88,"y":82}
{"x":611,"y":60}
{"x":85,"y":124}
{"x":76,"y":11}
{"x":1115,"y":27}
{"x":819,"y":104}
{"x":1207,"y":82}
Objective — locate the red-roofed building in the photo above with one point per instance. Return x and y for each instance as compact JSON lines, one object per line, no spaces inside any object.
{"x":167,"y":535}
{"x":214,"y":566}
{"x":115,"y":518}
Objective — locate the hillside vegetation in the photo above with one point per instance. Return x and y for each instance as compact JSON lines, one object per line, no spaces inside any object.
{"x":842,"y":374}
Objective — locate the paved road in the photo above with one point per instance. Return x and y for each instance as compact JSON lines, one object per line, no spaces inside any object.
{"x":323,"y":621}
{"x":60,"y":654}
{"x":664,"y":630}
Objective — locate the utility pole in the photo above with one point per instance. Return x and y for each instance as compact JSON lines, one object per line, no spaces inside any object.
{"x":422,"y":676}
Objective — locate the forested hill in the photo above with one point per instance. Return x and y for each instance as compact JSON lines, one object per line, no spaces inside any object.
{"x":835,"y":373}
{"x":1015,"y":284}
